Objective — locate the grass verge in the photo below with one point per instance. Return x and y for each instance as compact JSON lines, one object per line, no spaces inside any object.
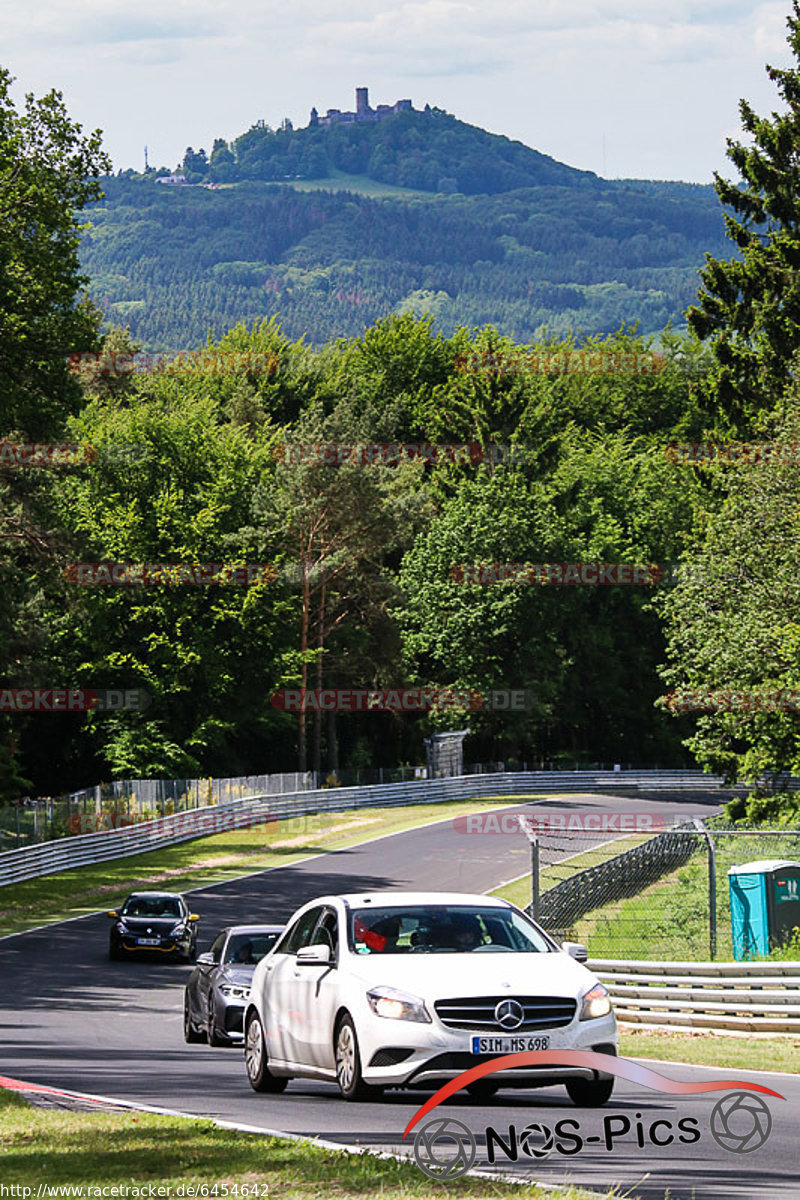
{"x":214,"y":859}
{"x":62,"y":1148}
{"x":712,"y":1050}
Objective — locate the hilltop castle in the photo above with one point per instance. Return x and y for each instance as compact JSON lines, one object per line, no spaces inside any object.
{"x":335,"y":116}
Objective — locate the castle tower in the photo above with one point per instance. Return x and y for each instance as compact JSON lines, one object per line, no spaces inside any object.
{"x":362,"y":102}
{"x":314,"y":117}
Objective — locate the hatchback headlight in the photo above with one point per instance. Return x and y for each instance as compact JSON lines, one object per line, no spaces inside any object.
{"x":179,"y":928}
{"x":399,"y":1006}
{"x":596,"y":1003}
{"x":235,"y":991}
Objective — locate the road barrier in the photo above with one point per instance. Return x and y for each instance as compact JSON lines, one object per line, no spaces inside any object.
{"x":755,"y":997}
{"x":45,"y":858}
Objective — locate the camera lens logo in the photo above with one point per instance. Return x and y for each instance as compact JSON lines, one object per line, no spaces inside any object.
{"x":740,"y":1122}
{"x":444,"y":1149}
{"x":536,"y":1140}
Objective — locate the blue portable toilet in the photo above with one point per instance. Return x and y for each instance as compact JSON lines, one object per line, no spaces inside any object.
{"x":765,"y":905}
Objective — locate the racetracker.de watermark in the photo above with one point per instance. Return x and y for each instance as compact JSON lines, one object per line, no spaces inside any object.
{"x":46,"y":454}
{"x":733,"y":700}
{"x":559,"y":362}
{"x":777,"y":453}
{"x":366,"y":454}
{"x":62,"y":700}
{"x":110,"y":574}
{"x":192,"y":362}
{"x":401,"y":700}
{"x":564,"y":574}
{"x":570,"y":822}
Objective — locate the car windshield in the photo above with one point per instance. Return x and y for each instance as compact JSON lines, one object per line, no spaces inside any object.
{"x":248,"y":948}
{"x":152,"y":906}
{"x":443,"y":929}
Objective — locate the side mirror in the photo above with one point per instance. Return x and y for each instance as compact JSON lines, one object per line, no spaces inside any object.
{"x":112,"y":912}
{"x":194,"y":917}
{"x":575,"y":950}
{"x":314,"y":956}
{"x":205,"y":960}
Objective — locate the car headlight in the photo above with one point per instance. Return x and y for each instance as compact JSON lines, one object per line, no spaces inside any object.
{"x":121,"y":927}
{"x":596,"y":1003}
{"x":179,"y":928}
{"x":235,"y":991}
{"x":397,"y":1005}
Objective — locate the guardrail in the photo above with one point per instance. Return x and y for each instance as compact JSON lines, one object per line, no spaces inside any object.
{"x":45,"y":858}
{"x":754,"y":997}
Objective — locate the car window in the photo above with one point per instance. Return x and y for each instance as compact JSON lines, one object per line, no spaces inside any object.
{"x":299,"y":932}
{"x":443,"y":929}
{"x":327,"y":931}
{"x":152,"y":906}
{"x":248,"y":948}
{"x":216,"y":949}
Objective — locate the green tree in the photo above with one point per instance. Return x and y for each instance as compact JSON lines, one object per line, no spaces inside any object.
{"x":749,"y":306}
{"x":733,"y":621}
{"x":47,"y":175}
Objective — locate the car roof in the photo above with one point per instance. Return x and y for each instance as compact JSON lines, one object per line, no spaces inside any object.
{"x":155,"y":896}
{"x":402,"y":899}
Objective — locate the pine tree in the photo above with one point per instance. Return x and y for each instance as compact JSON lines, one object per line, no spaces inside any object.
{"x":750,"y":306}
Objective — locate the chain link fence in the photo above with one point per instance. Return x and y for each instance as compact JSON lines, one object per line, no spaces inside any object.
{"x":662,"y":897}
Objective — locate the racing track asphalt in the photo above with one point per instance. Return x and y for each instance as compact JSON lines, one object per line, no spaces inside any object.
{"x":71,"y":1018}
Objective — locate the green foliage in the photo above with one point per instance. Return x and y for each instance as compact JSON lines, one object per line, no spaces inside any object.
{"x":732,"y":621}
{"x":750,"y":307}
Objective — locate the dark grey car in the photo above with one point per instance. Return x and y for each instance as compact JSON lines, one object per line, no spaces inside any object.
{"x":218,"y":988}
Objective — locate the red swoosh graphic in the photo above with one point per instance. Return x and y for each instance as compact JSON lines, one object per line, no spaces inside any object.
{"x":609,"y":1064}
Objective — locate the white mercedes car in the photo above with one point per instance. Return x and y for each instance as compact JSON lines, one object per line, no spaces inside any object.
{"x":409,"y":989}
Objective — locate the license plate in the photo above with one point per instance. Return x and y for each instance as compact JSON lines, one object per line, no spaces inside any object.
{"x":508,"y":1045}
{"x":148,"y":941}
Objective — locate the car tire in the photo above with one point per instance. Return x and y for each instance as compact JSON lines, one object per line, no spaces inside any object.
{"x":255,"y":1059}
{"x":482,"y":1089}
{"x":190,"y":1034}
{"x":114,"y":954}
{"x":215,"y":1038}
{"x":589,"y":1093}
{"x":348,"y":1063}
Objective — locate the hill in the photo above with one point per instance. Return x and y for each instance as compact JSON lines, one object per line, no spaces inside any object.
{"x":429,"y":151}
{"x":526,"y":244}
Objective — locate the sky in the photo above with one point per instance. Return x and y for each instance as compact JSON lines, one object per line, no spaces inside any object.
{"x":626,"y":88}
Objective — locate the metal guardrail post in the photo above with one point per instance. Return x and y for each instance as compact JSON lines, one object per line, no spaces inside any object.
{"x":712,"y":888}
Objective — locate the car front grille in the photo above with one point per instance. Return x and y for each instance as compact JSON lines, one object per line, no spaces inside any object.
{"x":478,"y":1013}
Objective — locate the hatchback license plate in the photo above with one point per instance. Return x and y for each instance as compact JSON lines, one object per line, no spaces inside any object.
{"x":508,"y":1045}
{"x":147,"y":941}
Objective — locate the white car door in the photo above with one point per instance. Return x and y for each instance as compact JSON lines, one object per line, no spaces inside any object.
{"x":315,"y":994}
{"x":283,"y":1018}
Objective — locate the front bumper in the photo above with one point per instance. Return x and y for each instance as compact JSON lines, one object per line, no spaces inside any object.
{"x":407,"y":1053}
{"x":165,"y":945}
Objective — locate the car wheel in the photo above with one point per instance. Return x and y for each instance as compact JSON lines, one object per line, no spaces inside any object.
{"x":348,"y":1064}
{"x":255,"y":1060}
{"x":113,"y":953}
{"x":214,"y":1036}
{"x":190,"y":1034}
{"x":482,"y":1089}
{"x":589,"y":1093}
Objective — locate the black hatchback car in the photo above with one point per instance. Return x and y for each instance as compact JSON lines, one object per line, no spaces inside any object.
{"x":154,"y":923}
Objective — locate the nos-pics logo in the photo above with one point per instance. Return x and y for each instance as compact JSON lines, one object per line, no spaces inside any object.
{"x":445,"y":1148}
